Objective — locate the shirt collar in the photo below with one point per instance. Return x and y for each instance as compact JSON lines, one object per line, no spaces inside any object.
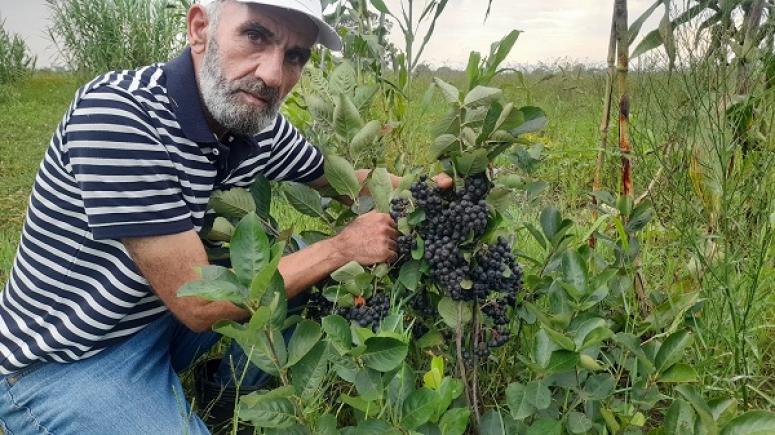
{"x":183,"y":91}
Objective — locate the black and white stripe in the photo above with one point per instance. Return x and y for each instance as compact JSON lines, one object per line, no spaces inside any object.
{"x":119,"y":165}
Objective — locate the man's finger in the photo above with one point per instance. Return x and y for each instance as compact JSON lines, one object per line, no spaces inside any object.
{"x":443,"y":180}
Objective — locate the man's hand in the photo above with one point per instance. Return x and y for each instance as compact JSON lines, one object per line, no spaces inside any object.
{"x":369,"y":239}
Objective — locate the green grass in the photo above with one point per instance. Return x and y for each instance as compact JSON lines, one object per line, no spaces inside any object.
{"x":28,"y":118}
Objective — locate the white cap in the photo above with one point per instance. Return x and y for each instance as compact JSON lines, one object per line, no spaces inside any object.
{"x":311,"y":8}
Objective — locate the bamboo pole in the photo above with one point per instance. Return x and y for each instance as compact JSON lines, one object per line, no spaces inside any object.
{"x":622,"y":68}
{"x":605,"y":118}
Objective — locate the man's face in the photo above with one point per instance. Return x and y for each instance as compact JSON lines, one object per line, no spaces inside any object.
{"x":254,"y":57}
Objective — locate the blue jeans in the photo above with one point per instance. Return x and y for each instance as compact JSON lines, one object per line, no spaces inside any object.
{"x":130,"y":388}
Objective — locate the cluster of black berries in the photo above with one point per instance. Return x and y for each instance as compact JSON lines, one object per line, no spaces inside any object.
{"x":368,"y":313}
{"x":318,"y":306}
{"x":496,"y":270}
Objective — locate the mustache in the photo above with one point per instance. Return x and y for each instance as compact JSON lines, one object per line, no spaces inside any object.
{"x":257,"y":88}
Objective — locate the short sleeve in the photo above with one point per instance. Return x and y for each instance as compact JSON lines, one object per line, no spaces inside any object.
{"x":292,"y":157}
{"x":129,"y":184}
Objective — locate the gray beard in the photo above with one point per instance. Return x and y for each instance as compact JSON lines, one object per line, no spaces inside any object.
{"x":226,"y":107}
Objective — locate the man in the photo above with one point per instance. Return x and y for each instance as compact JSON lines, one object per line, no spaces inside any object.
{"x":92,"y":334}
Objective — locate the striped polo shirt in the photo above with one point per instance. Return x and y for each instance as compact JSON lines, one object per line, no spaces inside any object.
{"x":132,"y":157}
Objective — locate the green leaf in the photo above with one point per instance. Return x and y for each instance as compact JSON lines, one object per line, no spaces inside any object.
{"x":751,"y":423}
{"x":261,"y":191}
{"x":360,"y":404}
{"x":672,"y":350}
{"x":215,"y":291}
{"x":649,"y":42}
{"x":380,"y":6}
{"x":432,"y":378}
{"x":634,"y":28}
{"x":639,"y":217}
{"x":538,"y":395}
{"x":401,"y":386}
{"x":481,"y":96}
{"x":304,"y":199}
{"x":550,"y":222}
{"x":343,"y":79}
{"x":534,"y":120}
{"x":543,"y":346}
{"x":306,"y":335}
{"x":348,"y":272}
{"x":221,"y":230}
{"x":574,"y":273}
{"x":380,"y":186}
{"x":384,"y":353}
{"x":249,"y":250}
{"x":341,"y":176}
{"x":452,"y":311}
{"x":347,"y":120}
{"x":326,"y":425}
{"x":680,"y":418}
{"x":375,"y":427}
{"x":234,"y":203}
{"x":368,"y":382}
{"x":504,"y":48}
{"x":263,"y":279}
{"x":691,"y":394}
{"x":679,"y":373}
{"x":519,"y":404}
{"x":365,"y":137}
{"x":338,"y":330}
{"x":320,"y":109}
{"x":450,"y":93}
{"x":269,"y":412}
{"x":545,"y":426}
{"x":265,"y":352}
{"x":578,"y":423}
{"x":418,"y":407}
{"x":454,"y":421}
{"x":409,"y":275}
{"x":449,"y":390}
{"x":471,"y":162}
{"x":441,"y":144}
{"x":562,"y":360}
{"x":276,"y":299}
{"x":599,"y":387}
{"x":490,"y":122}
{"x":309,"y":373}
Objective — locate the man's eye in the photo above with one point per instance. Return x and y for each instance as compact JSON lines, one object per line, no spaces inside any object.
{"x":255,"y":36}
{"x":296,"y":58}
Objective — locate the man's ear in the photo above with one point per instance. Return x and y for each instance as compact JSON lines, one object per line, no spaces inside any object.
{"x":197,"y":21}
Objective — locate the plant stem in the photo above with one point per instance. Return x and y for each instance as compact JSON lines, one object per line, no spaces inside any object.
{"x":459,"y":348}
{"x":474,"y":381}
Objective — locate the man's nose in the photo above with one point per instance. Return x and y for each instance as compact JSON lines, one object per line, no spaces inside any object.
{"x":270,"y":68}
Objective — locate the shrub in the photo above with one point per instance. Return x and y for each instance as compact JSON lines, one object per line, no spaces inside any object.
{"x":96,"y":36}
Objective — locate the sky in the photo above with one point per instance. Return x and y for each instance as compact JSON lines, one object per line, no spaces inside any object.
{"x":575,"y":30}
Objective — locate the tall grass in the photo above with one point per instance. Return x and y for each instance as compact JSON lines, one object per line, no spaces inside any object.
{"x":712,"y":156}
{"x":15,"y":61}
{"x":96,"y":36}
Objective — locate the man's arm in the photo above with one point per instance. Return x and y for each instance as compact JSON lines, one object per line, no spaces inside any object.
{"x":168,"y":262}
{"x":443,"y":180}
